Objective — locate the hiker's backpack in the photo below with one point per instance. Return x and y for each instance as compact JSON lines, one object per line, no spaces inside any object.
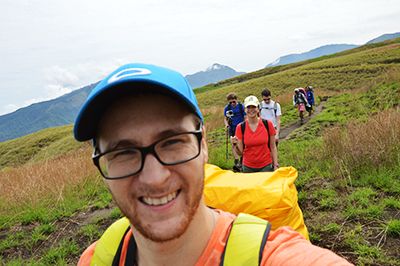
{"x":241,"y":108}
{"x":243,"y":127}
{"x":275,"y":108}
{"x":269,"y":195}
{"x":300,"y":96}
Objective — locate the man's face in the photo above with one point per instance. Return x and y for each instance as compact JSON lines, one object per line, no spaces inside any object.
{"x":233,"y":102}
{"x":160,"y":201}
{"x":266,"y":99}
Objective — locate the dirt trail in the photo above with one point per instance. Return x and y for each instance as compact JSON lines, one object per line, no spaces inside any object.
{"x":285,"y":131}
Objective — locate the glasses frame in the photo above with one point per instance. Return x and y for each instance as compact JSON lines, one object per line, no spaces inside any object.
{"x":144,"y":151}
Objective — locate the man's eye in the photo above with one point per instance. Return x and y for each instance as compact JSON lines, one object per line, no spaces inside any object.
{"x":174,"y":141}
{"x":120,"y":154}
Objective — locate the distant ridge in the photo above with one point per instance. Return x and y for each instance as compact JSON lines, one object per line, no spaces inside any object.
{"x":385,"y":37}
{"x":326,"y":50}
{"x":314,"y":53}
{"x":56,"y":112}
{"x":214,"y":73}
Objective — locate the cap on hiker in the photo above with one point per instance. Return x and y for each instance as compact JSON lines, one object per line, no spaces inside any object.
{"x":138,"y":75}
{"x":251,"y":100}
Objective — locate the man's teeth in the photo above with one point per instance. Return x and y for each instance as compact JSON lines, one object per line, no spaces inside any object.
{"x":159,"y":201}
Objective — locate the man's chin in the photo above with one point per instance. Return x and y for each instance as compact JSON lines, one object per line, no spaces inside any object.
{"x":163,"y":231}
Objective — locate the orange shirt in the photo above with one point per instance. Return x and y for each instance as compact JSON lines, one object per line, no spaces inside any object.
{"x":284,"y":247}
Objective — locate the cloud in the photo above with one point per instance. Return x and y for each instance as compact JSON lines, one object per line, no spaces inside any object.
{"x":62,"y":80}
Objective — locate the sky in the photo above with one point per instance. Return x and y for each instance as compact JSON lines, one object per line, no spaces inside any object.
{"x":52,"y":47}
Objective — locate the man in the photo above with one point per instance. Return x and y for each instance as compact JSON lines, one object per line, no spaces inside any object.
{"x":271,"y":110}
{"x":310,"y":99}
{"x":300,"y":101}
{"x":234,"y":115}
{"x":149,"y":145}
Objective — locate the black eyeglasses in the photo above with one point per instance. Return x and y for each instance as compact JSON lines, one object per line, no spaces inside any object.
{"x":231,"y":102}
{"x":267,"y":99}
{"x":172,"y":150}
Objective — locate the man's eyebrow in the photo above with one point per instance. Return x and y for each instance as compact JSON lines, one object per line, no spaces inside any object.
{"x":117,"y":144}
{"x":170,"y":132}
{"x":124,"y":143}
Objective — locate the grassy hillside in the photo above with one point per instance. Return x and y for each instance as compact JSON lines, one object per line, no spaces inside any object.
{"x":37,"y":146}
{"x":349,"y":70}
{"x":53,"y":203}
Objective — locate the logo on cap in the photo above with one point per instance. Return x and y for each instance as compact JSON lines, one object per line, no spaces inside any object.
{"x":128,"y":72}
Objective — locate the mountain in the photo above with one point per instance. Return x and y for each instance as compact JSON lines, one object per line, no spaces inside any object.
{"x":314,"y":53}
{"x":385,"y":37}
{"x":326,"y":50}
{"x":213,"y":74}
{"x":56,"y":112}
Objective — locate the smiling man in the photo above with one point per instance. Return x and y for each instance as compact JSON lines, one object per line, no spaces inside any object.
{"x":150,"y":147}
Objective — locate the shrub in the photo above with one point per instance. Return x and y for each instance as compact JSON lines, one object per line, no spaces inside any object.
{"x":373,"y":144}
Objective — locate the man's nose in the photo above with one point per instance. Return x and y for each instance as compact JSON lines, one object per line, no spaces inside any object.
{"x":153,"y":173}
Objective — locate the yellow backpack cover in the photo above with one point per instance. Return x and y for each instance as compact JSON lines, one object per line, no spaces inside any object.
{"x":268,"y":195}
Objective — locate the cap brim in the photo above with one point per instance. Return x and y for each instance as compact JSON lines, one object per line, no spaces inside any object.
{"x":89,"y":117}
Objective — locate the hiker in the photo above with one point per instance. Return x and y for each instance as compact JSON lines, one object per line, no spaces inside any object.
{"x":234,"y":115}
{"x":255,"y":140}
{"x":300,"y":101}
{"x":149,"y":145}
{"x":310,"y":99}
{"x":271,"y":110}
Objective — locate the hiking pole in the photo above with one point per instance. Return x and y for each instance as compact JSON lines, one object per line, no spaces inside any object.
{"x":226,"y":143}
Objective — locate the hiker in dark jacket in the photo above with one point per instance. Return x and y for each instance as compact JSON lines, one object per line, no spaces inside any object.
{"x":310,"y":99}
{"x":234,"y":115}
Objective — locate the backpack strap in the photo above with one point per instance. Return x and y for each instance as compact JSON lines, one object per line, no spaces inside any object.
{"x":243,"y":127}
{"x":106,"y":251}
{"x":241,"y":107}
{"x":246,"y":241}
{"x":265,"y":122}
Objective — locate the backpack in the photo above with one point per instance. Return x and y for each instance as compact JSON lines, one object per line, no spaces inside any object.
{"x":241,"y":107}
{"x":300,"y":95}
{"x":274,"y":108}
{"x":243,"y":127}
{"x":245,"y":244}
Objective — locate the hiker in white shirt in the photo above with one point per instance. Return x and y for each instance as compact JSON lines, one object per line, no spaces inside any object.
{"x":271,"y":110}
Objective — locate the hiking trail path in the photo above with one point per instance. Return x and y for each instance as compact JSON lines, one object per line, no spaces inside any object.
{"x":286,"y":130}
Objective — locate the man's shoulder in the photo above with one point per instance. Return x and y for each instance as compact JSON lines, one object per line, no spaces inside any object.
{"x":286,"y":246}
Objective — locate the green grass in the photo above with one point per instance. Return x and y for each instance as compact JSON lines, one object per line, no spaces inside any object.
{"x":393,"y":227}
{"x":37,"y":146}
{"x":92,"y":231}
{"x":59,"y":255}
{"x":328,"y":198}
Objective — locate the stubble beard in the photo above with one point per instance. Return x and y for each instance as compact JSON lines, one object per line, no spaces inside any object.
{"x":190,"y":209}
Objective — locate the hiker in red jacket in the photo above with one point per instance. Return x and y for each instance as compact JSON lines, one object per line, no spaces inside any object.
{"x":255,"y":139}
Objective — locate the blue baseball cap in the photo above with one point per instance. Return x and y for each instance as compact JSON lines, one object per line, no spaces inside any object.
{"x":166,"y":80}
